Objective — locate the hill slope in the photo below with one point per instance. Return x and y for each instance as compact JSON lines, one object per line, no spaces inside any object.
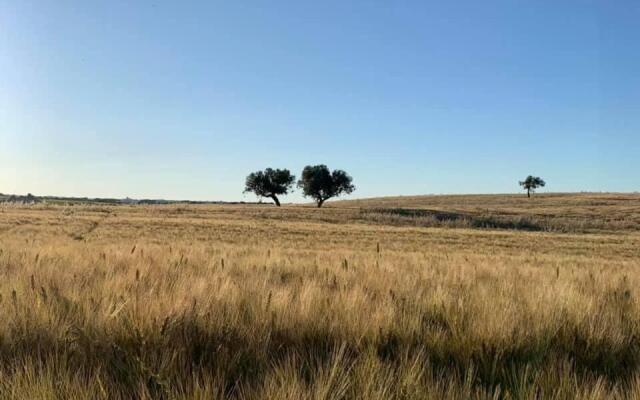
{"x":556,"y":211}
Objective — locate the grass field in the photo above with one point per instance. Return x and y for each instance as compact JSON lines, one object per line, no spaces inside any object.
{"x":433,"y":297}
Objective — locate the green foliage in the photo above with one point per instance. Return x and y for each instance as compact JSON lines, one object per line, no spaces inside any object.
{"x":320,"y":184}
{"x":270,"y":183}
{"x":531,"y":183}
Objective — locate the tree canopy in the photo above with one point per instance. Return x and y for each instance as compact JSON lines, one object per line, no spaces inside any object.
{"x":321,"y":184}
{"x":531,"y":183}
{"x":270,"y":183}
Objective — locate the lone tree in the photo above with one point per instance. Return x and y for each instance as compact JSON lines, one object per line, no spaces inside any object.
{"x":531,"y":183}
{"x":270,"y":183}
{"x":320,"y":184}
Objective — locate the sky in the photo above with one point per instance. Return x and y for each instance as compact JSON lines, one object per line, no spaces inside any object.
{"x":181,"y":100}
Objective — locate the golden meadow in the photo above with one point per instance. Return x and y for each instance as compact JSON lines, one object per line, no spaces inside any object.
{"x":437,"y":297}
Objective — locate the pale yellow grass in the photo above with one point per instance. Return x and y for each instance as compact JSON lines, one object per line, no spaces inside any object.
{"x":255,"y":302}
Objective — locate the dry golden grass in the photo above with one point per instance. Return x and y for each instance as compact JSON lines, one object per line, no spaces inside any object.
{"x":254,"y":302}
{"x":584,"y":212}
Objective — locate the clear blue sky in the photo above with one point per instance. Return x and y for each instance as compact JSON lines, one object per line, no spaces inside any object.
{"x":181,"y":100}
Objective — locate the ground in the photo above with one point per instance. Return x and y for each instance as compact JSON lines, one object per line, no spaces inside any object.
{"x":404,"y":298}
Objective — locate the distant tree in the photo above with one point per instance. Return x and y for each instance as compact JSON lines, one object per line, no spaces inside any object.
{"x":270,"y":183}
{"x":531,"y":183}
{"x":320,"y":184}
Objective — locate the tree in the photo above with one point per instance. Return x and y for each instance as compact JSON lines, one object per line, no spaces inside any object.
{"x":531,"y":183}
{"x":270,"y":183}
{"x":320,"y":184}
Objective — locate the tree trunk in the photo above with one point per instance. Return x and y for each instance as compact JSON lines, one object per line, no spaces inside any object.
{"x":528,"y":193}
{"x":275,"y":199}
{"x":320,"y":203}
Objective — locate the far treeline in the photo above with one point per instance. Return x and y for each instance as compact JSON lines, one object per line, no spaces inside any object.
{"x":321,"y":184}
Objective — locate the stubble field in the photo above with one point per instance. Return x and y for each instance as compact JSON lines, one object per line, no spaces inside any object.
{"x":401,"y":298}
